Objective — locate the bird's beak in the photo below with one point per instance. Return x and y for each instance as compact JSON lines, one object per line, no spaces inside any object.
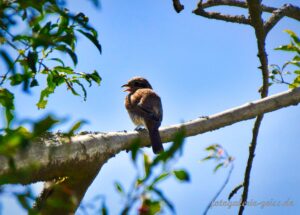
{"x":127,"y":88}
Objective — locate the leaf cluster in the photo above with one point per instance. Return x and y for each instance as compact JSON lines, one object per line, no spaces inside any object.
{"x":50,"y":28}
{"x":145,"y":195}
{"x":219,"y":155}
{"x":277,"y":73}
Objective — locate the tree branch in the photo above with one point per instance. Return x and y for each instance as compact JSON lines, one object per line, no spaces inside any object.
{"x":293,"y":12}
{"x":257,"y":22}
{"x":53,"y":159}
{"x":287,"y":10}
{"x":68,"y":191}
{"x":278,"y":14}
{"x":228,"y":18}
{"x":177,"y":6}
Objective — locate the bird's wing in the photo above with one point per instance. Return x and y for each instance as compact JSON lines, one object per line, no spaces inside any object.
{"x":145,"y":103}
{"x":150,"y":103}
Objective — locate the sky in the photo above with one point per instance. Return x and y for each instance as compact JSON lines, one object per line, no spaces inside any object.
{"x":198,"y":67}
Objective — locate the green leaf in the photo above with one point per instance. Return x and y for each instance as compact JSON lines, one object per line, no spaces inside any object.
{"x":289,"y":47}
{"x":208,"y":158}
{"x":46,"y":92}
{"x":34,"y":83}
{"x":293,"y":36}
{"x":58,"y":60}
{"x":64,"y":22}
{"x":154,"y":207}
{"x":21,"y":37}
{"x":296,"y":58}
{"x":295,"y":63}
{"x":119,"y":187}
{"x":135,"y":146}
{"x":76,"y":126}
{"x":147,"y":165}
{"x":16,"y":79}
{"x":158,"y":179}
{"x":92,"y":38}
{"x":42,"y":104}
{"x":63,"y":69}
{"x":24,"y":201}
{"x":32,"y":59}
{"x":13,"y":140}
{"x":177,"y":146}
{"x":212,"y":147}
{"x":72,"y":54}
{"x":9,"y":62}
{"x":82,"y":88}
{"x":7,"y":101}
{"x":218,"y":167}
{"x":44,"y":125}
{"x":96,"y":3}
{"x":104,"y":210}
{"x":182,"y":175}
{"x":46,"y":29}
{"x":96,"y":77}
{"x":73,"y":91}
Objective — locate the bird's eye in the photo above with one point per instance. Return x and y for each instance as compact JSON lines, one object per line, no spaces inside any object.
{"x":139,"y":84}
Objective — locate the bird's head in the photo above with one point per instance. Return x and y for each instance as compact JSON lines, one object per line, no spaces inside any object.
{"x":135,"y":84}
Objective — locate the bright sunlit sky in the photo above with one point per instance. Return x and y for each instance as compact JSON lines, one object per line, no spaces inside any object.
{"x":198,"y":67}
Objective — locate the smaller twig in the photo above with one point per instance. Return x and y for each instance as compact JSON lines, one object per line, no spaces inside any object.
{"x":282,"y":81}
{"x":12,"y":36}
{"x":177,"y":6}
{"x":234,"y":3}
{"x":241,"y":19}
{"x":220,"y":190}
{"x":278,"y":14}
{"x":4,"y":77}
{"x":9,"y":70}
{"x":42,"y":64}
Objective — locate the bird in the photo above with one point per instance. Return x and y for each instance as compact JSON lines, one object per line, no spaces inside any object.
{"x":145,"y":109}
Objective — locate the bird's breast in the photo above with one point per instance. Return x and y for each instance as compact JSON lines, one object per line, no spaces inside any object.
{"x":136,"y":119}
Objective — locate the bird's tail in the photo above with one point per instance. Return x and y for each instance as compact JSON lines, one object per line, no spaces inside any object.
{"x":156,"y":143}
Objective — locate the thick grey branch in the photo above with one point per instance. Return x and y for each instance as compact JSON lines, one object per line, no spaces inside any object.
{"x":54,"y":159}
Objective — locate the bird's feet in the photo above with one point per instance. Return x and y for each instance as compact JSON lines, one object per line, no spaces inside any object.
{"x":204,"y":117}
{"x":140,"y":128}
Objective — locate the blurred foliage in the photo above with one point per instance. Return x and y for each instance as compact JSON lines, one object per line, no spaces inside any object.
{"x":96,"y":204}
{"x":144,"y":196}
{"x":52,"y":29}
{"x":278,"y":74}
{"x":218,"y":154}
{"x":33,"y":34}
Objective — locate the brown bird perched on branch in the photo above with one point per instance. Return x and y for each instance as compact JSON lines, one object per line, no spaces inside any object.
{"x":145,"y":109}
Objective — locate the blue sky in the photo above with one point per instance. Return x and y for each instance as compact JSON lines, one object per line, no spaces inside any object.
{"x":198,"y":67}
